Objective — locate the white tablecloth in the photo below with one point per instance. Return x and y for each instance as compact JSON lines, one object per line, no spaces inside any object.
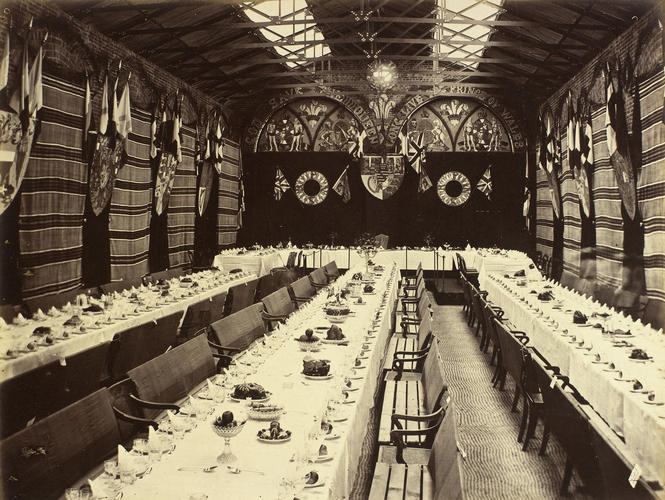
{"x":14,"y":335}
{"x":304,"y":399}
{"x":625,"y":410}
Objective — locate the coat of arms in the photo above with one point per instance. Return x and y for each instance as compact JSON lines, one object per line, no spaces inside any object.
{"x":382,"y":176}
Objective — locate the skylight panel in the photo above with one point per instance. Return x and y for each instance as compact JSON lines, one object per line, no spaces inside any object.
{"x":300,"y":39}
{"x":462,"y":10}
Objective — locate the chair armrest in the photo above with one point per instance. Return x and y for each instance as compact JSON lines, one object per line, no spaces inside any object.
{"x":223,"y":361}
{"x":126,"y":417}
{"x":396,"y":417}
{"x":274,"y":317}
{"x":317,"y":285}
{"x":153,"y":404}
{"x":299,"y":300}
{"x":398,"y":363}
{"x":223,"y":348}
{"x":397,"y":437}
{"x":410,"y":300}
{"x":410,"y":353}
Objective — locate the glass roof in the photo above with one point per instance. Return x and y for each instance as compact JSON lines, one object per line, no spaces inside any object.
{"x":459,"y":10}
{"x":297,"y":38}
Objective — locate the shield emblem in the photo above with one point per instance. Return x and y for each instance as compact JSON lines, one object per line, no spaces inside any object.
{"x":106,"y":162}
{"x":583,"y":191}
{"x":168,"y":164}
{"x":623,"y":171}
{"x":15,"y":148}
{"x":205,"y":184}
{"x":382,"y":176}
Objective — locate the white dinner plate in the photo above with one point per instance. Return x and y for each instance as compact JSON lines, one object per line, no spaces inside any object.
{"x":320,"y":482}
{"x":319,"y":377}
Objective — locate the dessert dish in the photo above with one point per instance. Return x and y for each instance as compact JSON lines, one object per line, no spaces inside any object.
{"x":579,"y":318}
{"x":316,"y":368}
{"x":545,"y":296}
{"x":94,"y":308}
{"x":337,"y":310}
{"x":40,"y":331}
{"x":323,"y":454}
{"x":275,"y":434}
{"x":261,"y":411}
{"x":73,"y":321}
{"x":357,"y":276}
{"x":250,"y":390}
{"x":639,"y":354}
{"x":520,"y":273}
{"x":235,"y":271}
{"x":334,"y":333}
{"x":637,"y":385}
{"x":311,"y":479}
{"x":368,"y":289}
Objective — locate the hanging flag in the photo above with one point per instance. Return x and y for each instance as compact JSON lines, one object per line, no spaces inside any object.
{"x":526,"y":206}
{"x":416,"y":153}
{"x":662,"y":35}
{"x":19,"y":99}
{"x":217,"y":151}
{"x":241,"y":194}
{"x":206,"y":153}
{"x":617,"y":146}
{"x":342,"y":187}
{"x":154,"y":128}
{"x":485,"y":183}
{"x":586,"y":165}
{"x":36,"y":97}
{"x":4,"y":63}
{"x":87,"y":112}
{"x":177,"y":122}
{"x":571,"y":133}
{"x":281,"y":184}
{"x":424,"y":182}
{"x":124,"y":120}
{"x":104,"y":117}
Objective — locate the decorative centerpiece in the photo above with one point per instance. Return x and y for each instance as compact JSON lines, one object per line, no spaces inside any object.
{"x":337,"y":310}
{"x":308,"y":341}
{"x":366,"y":244}
{"x":316,"y":368}
{"x":250,"y":390}
{"x":226,"y":426}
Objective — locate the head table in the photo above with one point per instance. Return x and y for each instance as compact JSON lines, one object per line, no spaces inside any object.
{"x":121,"y":312}
{"x":270,"y":470}
{"x":601,"y":355}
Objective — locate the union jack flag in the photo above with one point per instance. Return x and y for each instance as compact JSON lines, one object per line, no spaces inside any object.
{"x":485,"y":183}
{"x":281,"y":184}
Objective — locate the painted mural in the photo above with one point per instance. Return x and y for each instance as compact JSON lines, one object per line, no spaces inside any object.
{"x":456,"y":124}
{"x":309,"y":124}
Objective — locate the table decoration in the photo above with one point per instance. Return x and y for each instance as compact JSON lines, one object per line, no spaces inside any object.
{"x":227,"y":427}
{"x":274,"y":435}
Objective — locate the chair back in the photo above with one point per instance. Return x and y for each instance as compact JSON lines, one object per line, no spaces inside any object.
{"x":461,"y":263}
{"x":242,"y":295}
{"x":123,"y":405}
{"x":240,"y":329}
{"x":217,"y":304}
{"x":432,"y":378}
{"x":42,"y":460}
{"x":167,"y":274}
{"x":443,"y":464}
{"x":197,"y":317}
{"x":268,"y":283}
{"x":331,"y":270}
{"x":569,"y":280}
{"x":424,"y":331}
{"x":84,"y":372}
{"x":36,"y":393}
{"x":654,"y":313}
{"x":318,"y":277}
{"x":56,"y":300}
{"x":511,"y":350}
{"x":119,"y":286}
{"x":302,"y":288}
{"x":137,"y":345}
{"x":291,"y":260}
{"x":381,"y":240}
{"x":279,"y":303}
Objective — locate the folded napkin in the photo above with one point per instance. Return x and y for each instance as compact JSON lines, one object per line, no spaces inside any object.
{"x":125,"y":460}
{"x":3,"y":324}
{"x":154,"y":441}
{"x":19,"y":319}
{"x":211,"y":387}
{"x":97,"y":488}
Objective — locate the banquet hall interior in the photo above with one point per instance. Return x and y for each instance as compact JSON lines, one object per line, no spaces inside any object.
{"x":344,"y":249}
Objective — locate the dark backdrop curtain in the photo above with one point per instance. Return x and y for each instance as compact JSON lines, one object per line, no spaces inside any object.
{"x":10,"y":283}
{"x":96,"y":260}
{"x":158,"y":248}
{"x":407,"y":217}
{"x":205,"y":228}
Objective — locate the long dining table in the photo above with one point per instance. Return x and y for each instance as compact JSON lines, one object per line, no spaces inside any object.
{"x":602,"y":357}
{"x":276,"y":363}
{"x":97,"y":328}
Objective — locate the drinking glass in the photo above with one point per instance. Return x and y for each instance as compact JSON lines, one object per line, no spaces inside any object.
{"x":127,"y":476}
{"x":140,"y":446}
{"x":111,"y":467}
{"x":72,"y":494}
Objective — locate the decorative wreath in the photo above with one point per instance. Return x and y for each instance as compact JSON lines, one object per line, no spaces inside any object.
{"x":316,"y":197}
{"x":460,"y":199}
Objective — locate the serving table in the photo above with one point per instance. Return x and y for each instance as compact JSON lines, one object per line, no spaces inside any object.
{"x":276,"y":362}
{"x":596,"y":356}
{"x":122,"y":317}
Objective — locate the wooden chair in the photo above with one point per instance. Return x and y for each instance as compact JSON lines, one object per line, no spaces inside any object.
{"x":410,"y":322}
{"x":511,"y":343}
{"x":381,"y":240}
{"x":42,"y":460}
{"x":84,"y":372}
{"x":237,"y":331}
{"x":268,"y":283}
{"x":217,"y":306}
{"x":654,"y":313}
{"x":437,"y":476}
{"x":569,"y":280}
{"x":564,"y":417}
{"x":242,"y":295}
{"x":318,"y":278}
{"x":302,"y":290}
{"x":197,"y":317}
{"x":278,"y":306}
{"x":139,"y":344}
{"x":168,"y":378}
{"x":490,"y":314}
{"x":487,"y":312}
{"x":402,"y":346}
{"x":470,"y":274}
{"x":413,"y":397}
{"x":332,"y":273}
{"x":412,"y":280}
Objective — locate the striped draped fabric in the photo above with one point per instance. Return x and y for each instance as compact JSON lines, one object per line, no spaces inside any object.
{"x":227,"y":211}
{"x":54,"y":191}
{"x":607,"y":200}
{"x":53,"y":195}
{"x":129,"y":220}
{"x":182,"y":205}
